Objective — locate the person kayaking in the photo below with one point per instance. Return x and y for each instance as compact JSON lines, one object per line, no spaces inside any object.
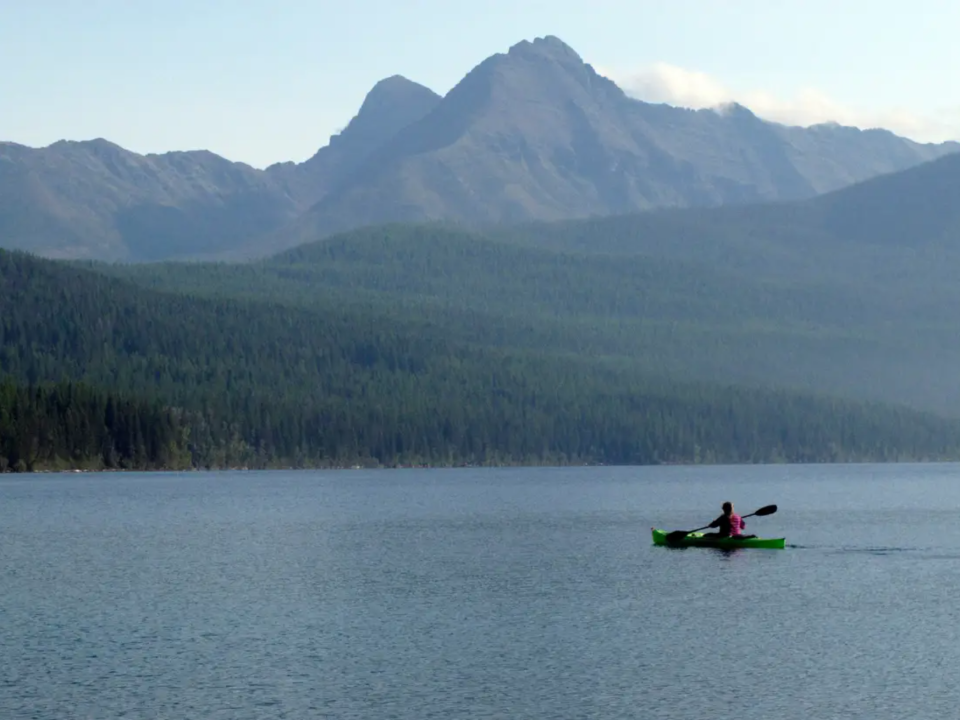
{"x":729,"y":524}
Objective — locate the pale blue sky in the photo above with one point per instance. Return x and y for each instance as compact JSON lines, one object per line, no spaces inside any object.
{"x":262,"y":81}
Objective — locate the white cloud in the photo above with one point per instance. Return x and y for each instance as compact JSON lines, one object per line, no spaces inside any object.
{"x":665,"y":83}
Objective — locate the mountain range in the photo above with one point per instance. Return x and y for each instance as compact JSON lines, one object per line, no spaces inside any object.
{"x":533,"y":134}
{"x":852,"y":293}
{"x":747,"y":332}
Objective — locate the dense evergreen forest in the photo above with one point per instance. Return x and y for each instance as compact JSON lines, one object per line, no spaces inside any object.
{"x":225,"y":371}
{"x":671,"y":299}
{"x":70,"y":425}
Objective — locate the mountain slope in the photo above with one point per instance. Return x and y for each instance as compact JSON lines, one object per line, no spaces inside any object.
{"x":905,"y":223}
{"x":756,"y":295}
{"x":95,"y":199}
{"x":262,"y":383}
{"x":391,"y":105}
{"x":536,"y":133}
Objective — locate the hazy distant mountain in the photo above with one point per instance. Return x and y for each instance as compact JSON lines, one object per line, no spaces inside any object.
{"x":531,"y":134}
{"x":96,"y":200}
{"x":884,"y":222}
{"x":537,"y":134}
{"x":390,"y":106}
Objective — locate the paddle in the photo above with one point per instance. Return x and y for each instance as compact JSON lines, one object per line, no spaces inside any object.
{"x":678,"y":535}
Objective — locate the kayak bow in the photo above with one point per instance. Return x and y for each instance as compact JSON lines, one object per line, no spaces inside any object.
{"x":699,"y":540}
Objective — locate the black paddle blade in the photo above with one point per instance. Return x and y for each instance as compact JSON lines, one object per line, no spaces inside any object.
{"x":768,"y":510}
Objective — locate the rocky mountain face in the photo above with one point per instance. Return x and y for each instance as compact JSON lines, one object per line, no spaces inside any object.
{"x":531,"y":134}
{"x":389,"y":107}
{"x":536,"y":133}
{"x":96,"y":200}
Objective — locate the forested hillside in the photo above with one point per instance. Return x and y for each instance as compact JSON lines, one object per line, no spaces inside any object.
{"x":690,"y":301}
{"x":260,"y":382}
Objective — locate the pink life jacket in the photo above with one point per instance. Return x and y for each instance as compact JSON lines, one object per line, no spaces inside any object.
{"x":736,"y":524}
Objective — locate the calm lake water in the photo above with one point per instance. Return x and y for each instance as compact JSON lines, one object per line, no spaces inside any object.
{"x":531,"y":593}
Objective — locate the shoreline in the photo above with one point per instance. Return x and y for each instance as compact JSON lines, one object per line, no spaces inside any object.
{"x":464,"y":466}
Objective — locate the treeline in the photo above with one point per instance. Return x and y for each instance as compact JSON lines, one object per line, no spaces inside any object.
{"x":531,"y":413}
{"x":259,"y":384}
{"x":508,"y":420}
{"x":71,"y":425}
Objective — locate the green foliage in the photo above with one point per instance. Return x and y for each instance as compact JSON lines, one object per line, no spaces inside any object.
{"x":262,"y":380}
{"x":70,"y":425}
{"x":693,"y":295}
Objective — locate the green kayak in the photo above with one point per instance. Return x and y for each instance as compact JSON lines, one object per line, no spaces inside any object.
{"x":698,"y":540}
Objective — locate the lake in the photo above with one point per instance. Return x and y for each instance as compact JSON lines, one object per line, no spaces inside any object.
{"x":479,"y":593}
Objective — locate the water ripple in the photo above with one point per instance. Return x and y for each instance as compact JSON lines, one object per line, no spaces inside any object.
{"x":480,"y":594}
